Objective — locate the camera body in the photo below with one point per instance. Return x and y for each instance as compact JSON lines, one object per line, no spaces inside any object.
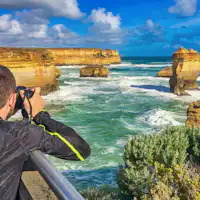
{"x":28,"y":93}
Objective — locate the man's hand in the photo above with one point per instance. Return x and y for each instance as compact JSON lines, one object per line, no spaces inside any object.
{"x":36,"y":101}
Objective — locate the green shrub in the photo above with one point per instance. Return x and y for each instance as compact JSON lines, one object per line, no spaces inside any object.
{"x":103,"y":193}
{"x":179,"y":182}
{"x":168,"y":147}
{"x":194,"y":141}
{"x":171,"y":147}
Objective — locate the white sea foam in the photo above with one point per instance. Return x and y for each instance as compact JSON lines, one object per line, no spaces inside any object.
{"x":145,"y":78}
{"x":161,"y":63}
{"x":109,"y":150}
{"x":70,"y":75}
{"x":121,"y":142}
{"x":133,"y":126}
{"x":158,"y":117}
{"x":154,"y":86}
{"x":194,"y":93}
{"x":67,"y":94}
{"x":121,"y":65}
{"x":152,"y":65}
{"x":78,"y":91}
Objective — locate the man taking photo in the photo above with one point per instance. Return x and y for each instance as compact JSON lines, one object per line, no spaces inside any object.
{"x":19,"y":138}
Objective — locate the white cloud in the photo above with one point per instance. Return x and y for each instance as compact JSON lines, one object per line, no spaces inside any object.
{"x":35,"y":16}
{"x":38,"y":31}
{"x":148,"y":33}
{"x":5,"y":22}
{"x":63,"y":32}
{"x":153,"y":28}
{"x":28,"y":28}
{"x":192,"y":22}
{"x":15,"y":27}
{"x":105,"y":22}
{"x":14,"y":33}
{"x":176,"y":46}
{"x":105,"y":29}
{"x":184,"y":7}
{"x":63,"y":8}
{"x":9,"y":25}
{"x":150,"y":24}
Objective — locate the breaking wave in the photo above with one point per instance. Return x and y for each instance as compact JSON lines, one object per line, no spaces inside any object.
{"x":158,"y":117}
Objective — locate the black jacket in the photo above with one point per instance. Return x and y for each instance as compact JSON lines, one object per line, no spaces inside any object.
{"x":17,"y":139}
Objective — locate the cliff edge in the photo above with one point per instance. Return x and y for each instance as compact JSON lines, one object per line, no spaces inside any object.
{"x":85,"y":56}
{"x":36,"y":66}
{"x":31,"y":67}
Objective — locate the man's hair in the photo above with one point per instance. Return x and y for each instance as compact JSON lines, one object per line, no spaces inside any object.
{"x":7,"y":85}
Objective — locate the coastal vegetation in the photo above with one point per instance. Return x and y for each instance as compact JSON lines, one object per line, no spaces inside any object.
{"x":159,"y":166}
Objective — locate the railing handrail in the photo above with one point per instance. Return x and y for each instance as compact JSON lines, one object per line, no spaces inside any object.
{"x":62,"y":188}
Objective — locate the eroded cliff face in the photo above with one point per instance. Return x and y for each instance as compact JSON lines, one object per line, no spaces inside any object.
{"x":31,"y":67}
{"x":84,"y":56}
{"x":193,"y":115}
{"x":36,"y":67}
{"x":185,"y":71}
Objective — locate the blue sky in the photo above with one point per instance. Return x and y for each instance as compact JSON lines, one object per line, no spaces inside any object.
{"x":133,"y":27}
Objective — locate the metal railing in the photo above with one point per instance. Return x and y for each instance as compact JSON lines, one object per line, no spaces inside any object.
{"x":61,"y":187}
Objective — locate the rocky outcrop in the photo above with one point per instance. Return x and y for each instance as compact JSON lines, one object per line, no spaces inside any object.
{"x":31,"y":67}
{"x":94,"y":71}
{"x":185,"y":67}
{"x":166,"y":73}
{"x":84,"y":56}
{"x":193,"y":115}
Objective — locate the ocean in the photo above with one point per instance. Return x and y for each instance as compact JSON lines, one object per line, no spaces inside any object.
{"x":106,"y":112}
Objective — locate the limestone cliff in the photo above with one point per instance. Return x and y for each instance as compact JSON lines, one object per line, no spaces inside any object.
{"x":36,"y":67}
{"x":84,"y":56}
{"x":94,"y":71}
{"x":185,"y":70}
{"x":193,"y":115}
{"x":31,"y":67}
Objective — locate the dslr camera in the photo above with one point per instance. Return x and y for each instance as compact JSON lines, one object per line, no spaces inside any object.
{"x":28,"y":93}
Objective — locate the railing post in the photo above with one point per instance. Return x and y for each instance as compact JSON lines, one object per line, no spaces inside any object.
{"x":62,"y":188}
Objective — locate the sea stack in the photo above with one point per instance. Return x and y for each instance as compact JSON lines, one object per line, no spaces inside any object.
{"x":165,"y":73}
{"x":185,"y":70}
{"x":94,"y":71}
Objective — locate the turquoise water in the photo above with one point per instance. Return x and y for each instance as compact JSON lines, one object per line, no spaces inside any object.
{"x":107,"y":111}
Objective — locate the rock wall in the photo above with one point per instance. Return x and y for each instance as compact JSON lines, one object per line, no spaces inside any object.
{"x":185,"y":68}
{"x":31,"y":67}
{"x":193,"y":115}
{"x":84,"y":56}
